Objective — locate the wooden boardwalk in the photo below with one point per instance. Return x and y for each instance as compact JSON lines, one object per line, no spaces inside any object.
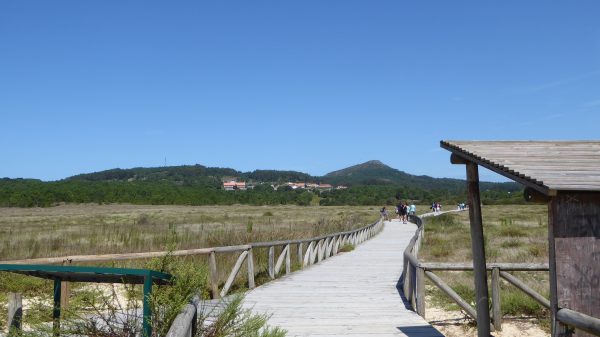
{"x":351,"y":294}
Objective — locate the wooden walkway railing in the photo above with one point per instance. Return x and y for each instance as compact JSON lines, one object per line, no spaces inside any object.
{"x":317,"y":249}
{"x":415,"y":271}
{"x":309,"y":251}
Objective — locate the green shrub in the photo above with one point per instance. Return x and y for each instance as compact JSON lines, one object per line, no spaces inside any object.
{"x":346,"y":248}
{"x":514,"y":303}
{"x":235,"y":321}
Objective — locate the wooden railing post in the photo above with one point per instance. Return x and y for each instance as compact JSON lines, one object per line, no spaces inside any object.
{"x":272,"y":262}
{"x":420,"y":291}
{"x":250,"y":258}
{"x":214,"y":277}
{"x":496,"y":312}
{"x":336,"y":245}
{"x":288,"y":259}
{"x":308,"y":255}
{"x":320,"y":251}
{"x":407,"y":280}
{"x":15,"y":312}
{"x":314,"y":254}
{"x":413,"y":286}
{"x":300,"y":255}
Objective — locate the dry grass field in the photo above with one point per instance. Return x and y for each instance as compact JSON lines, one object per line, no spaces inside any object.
{"x":513,"y":233}
{"x":99,"y":229}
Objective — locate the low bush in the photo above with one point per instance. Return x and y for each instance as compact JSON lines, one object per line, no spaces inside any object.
{"x":346,"y":248}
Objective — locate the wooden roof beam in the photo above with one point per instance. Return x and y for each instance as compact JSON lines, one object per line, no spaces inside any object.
{"x":458,"y":156}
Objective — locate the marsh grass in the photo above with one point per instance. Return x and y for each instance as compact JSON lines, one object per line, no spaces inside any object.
{"x":99,"y":229}
{"x":103,"y":229}
{"x":512,"y":233}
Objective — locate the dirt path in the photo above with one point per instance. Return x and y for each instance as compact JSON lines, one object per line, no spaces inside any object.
{"x":458,"y":324}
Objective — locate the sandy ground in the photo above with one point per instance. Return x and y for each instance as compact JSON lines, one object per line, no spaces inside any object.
{"x":458,"y":324}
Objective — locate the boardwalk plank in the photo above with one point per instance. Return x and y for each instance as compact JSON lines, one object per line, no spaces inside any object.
{"x":351,"y":294}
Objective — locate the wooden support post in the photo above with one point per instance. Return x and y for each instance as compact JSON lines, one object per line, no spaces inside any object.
{"x":556,"y":329}
{"x":300,"y":255}
{"x":147,"y":311}
{"x":325,"y":246}
{"x":251,"y":284}
{"x":314,"y":253}
{"x":477,"y":245}
{"x":272,"y":262}
{"x":234,"y":272}
{"x":15,"y":312}
{"x":214,"y":277}
{"x":336,"y":245}
{"x":420,"y":292}
{"x":56,"y":309}
{"x":320,"y":251}
{"x":496,"y":306}
{"x":308,"y":255}
{"x":65,"y":291}
{"x":574,"y":246}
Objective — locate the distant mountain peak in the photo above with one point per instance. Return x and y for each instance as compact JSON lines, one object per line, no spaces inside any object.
{"x":373,"y":163}
{"x":369,"y":166}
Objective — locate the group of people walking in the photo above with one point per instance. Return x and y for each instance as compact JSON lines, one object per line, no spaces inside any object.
{"x":403,"y":210}
{"x":436,"y":207}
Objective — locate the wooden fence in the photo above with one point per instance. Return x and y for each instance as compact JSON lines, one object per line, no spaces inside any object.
{"x":309,"y":251}
{"x":415,"y":271}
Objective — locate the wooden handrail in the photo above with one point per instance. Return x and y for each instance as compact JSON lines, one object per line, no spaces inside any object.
{"x":414,"y":270}
{"x":317,"y":249}
{"x":578,"y":320}
{"x":198,"y":251}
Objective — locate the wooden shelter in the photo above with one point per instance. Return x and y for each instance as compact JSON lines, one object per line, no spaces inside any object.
{"x":59,"y":274}
{"x":566,"y":175}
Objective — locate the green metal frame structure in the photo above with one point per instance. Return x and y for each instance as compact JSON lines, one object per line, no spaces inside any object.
{"x":146,"y":277}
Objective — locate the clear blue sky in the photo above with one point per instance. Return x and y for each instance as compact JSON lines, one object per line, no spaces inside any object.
{"x":305,"y":85}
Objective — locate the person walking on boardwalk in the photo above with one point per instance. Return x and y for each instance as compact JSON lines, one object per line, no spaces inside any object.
{"x":384,"y":213}
{"x":412,"y":210}
{"x":403,"y":212}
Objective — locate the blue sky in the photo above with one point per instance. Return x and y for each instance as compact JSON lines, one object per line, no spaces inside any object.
{"x":312,"y":86}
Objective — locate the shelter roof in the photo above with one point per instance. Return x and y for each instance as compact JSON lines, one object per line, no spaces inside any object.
{"x":546,"y":166}
{"x":88,"y":274}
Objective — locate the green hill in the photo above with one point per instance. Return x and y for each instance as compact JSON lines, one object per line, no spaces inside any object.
{"x":375,"y":172}
{"x":371,"y":183}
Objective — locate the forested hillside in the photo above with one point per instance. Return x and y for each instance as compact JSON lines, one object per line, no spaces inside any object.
{"x":370,"y":183}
